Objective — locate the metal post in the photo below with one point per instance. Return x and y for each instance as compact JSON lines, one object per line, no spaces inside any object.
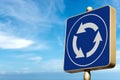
{"x":87,"y":75}
{"x":89,"y":9}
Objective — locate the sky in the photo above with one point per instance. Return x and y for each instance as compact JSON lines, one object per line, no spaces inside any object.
{"x":32,"y":33}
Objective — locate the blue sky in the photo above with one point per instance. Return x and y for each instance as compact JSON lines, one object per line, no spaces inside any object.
{"x":32,"y":33}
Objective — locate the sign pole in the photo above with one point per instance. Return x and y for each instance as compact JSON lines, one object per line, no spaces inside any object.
{"x":87,"y":74}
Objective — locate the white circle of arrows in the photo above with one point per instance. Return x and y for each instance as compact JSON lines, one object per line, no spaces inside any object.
{"x":79,"y":52}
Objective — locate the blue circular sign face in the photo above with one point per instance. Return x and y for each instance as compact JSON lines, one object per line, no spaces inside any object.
{"x":87,"y":40}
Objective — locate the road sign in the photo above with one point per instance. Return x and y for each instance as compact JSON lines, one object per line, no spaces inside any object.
{"x":91,"y":40}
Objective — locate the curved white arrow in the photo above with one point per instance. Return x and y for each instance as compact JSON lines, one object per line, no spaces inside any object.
{"x":79,"y":53}
{"x":87,"y":25}
{"x":97,"y":41}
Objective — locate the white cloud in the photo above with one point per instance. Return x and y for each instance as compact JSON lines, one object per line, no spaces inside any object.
{"x":116,"y":68}
{"x":118,"y":55}
{"x":32,"y":12}
{"x":118,"y":43}
{"x":60,"y":42}
{"x":21,"y":55}
{"x":53,"y":65}
{"x":23,"y":70}
{"x":20,"y":17}
{"x":21,"y":10}
{"x":29,"y":57}
{"x":24,"y":20}
{"x":41,"y":45}
{"x":12,"y":42}
{"x":116,"y":3}
{"x":3,"y":72}
{"x":35,"y":58}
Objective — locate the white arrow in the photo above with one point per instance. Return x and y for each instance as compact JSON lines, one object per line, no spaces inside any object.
{"x":79,"y":53}
{"x":87,"y":25}
{"x":97,"y":41}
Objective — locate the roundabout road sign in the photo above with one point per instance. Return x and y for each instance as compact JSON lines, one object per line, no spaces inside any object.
{"x":90,"y":40}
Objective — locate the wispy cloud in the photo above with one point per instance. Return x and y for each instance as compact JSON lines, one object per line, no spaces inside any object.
{"x":117,"y":67}
{"x":12,"y":42}
{"x":55,"y":65}
{"x":30,"y":19}
{"x":36,"y":14}
{"x":3,"y":72}
{"x":30,"y":25}
{"x":116,"y":4}
{"x":35,"y":58}
{"x":21,"y":10}
{"x":23,"y":70}
{"x":51,"y":65}
{"x":28,"y":56}
{"x":118,"y":41}
{"x":60,"y":41}
{"x":118,"y":55}
{"x":41,"y":45}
